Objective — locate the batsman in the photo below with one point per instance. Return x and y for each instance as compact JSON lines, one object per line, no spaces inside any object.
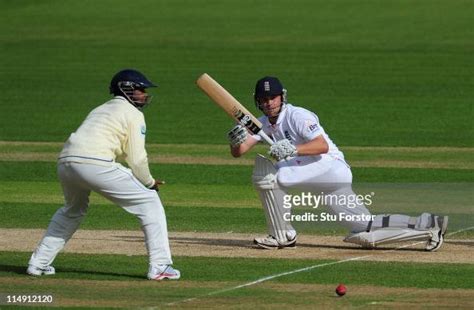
{"x":307,"y":160}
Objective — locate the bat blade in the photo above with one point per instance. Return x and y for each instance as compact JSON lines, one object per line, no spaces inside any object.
{"x":220,"y":96}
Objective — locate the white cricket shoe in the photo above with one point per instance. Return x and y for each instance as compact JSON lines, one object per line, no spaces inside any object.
{"x":438,"y":231}
{"x":162,"y":272}
{"x":270,"y":243}
{"x":38,"y":271}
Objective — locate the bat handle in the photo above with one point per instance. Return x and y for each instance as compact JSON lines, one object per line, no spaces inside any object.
{"x":265,"y":137}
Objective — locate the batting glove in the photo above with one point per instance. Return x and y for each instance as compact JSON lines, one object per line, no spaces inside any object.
{"x":237,"y":135}
{"x":282,"y":149}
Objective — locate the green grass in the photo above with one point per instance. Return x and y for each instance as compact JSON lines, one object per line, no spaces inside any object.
{"x":132,"y":268}
{"x":117,"y":280}
{"x":221,"y":198}
{"x":239,"y":175}
{"x":438,"y":155}
{"x":396,"y":73}
{"x":111,"y":217}
{"x":200,"y":219}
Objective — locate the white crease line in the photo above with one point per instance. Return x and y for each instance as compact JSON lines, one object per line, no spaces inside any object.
{"x":266,"y":279}
{"x":302,"y":270}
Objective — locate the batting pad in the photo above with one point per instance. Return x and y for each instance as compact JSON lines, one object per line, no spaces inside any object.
{"x":271,"y":196}
{"x":388,"y":235}
{"x":394,"y":228}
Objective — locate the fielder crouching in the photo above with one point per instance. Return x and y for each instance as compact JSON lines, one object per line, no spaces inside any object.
{"x":307,"y":160}
{"x":87,"y":163}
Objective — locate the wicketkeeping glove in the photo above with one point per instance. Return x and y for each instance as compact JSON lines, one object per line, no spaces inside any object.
{"x":282,"y":149}
{"x":237,"y":135}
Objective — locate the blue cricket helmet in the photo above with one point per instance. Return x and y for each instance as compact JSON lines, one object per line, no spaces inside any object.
{"x":126,"y":81}
{"x":269,"y":86}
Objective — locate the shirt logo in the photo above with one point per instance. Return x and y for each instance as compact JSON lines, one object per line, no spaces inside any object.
{"x":287,"y":135}
{"x":311,"y":125}
{"x":143,"y":130}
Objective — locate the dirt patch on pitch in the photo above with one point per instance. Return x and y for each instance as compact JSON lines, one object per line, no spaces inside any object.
{"x":239,"y":245}
{"x":207,"y":154}
{"x":199,"y":160}
{"x":215,"y":160}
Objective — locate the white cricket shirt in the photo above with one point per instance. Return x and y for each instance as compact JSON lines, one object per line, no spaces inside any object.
{"x":115,"y":129}
{"x":299,"y":126}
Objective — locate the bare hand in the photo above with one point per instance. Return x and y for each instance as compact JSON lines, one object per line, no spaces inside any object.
{"x":157,"y":183}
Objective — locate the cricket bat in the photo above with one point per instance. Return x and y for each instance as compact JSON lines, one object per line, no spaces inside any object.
{"x":231,"y":106}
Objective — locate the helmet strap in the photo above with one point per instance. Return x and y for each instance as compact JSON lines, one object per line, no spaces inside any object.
{"x":284,"y":101}
{"x":127,"y":89}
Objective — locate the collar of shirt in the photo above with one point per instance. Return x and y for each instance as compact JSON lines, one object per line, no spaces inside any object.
{"x":280,"y":116}
{"x":283,"y":112}
{"x":120,"y":98}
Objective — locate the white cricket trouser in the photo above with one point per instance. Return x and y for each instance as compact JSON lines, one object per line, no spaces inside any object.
{"x":328,"y":175}
{"x":325,"y":174}
{"x":117,"y":184}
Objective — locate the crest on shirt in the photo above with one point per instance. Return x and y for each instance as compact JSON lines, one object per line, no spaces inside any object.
{"x":143,"y":130}
{"x":287,"y":135}
{"x":311,"y":125}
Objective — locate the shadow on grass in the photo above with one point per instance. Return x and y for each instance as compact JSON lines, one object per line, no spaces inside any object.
{"x":21,"y":270}
{"x":13,"y":269}
{"x":241,"y":243}
{"x":248,"y":244}
{"x":359,"y":248}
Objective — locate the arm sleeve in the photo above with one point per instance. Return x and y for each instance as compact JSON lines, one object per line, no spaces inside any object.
{"x":135,"y":153}
{"x":307,"y":125}
{"x":257,"y":137}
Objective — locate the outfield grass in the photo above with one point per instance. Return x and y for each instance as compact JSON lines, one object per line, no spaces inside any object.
{"x":396,"y":73}
{"x":202,"y":219}
{"x":221,"y":198}
{"x":360,"y":157}
{"x":236,"y":175}
{"x":131,"y":268}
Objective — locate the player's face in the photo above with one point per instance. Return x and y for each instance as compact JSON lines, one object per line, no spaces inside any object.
{"x":140,"y":96}
{"x":271,"y":106}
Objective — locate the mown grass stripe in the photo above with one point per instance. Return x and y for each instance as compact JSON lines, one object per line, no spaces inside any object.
{"x":231,"y":174}
{"x":213,"y":160}
{"x":184,"y":218}
{"x":221,"y":147}
{"x":104,"y":267}
{"x":443,"y":198}
{"x":395,"y":157}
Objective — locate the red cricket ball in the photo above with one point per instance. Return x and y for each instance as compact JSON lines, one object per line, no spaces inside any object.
{"x":341,"y":290}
